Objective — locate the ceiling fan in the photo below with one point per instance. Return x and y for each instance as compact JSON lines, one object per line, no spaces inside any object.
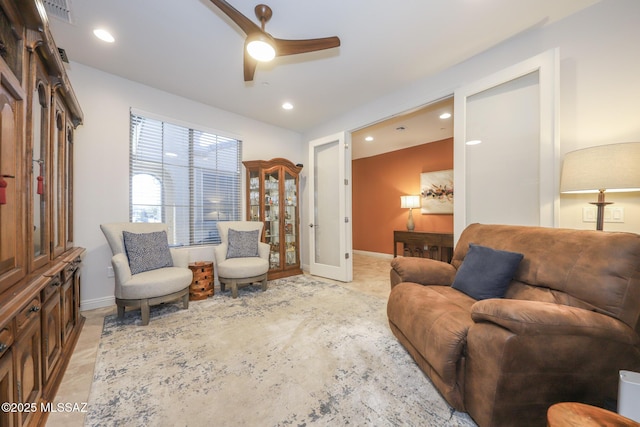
{"x":261,"y":46}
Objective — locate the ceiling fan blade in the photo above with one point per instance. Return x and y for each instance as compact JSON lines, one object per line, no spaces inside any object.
{"x":249,"y":66}
{"x":245,"y":24}
{"x":292,"y":47}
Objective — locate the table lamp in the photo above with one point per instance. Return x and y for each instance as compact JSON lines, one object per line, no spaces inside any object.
{"x":410,"y":202}
{"x":612,"y":168}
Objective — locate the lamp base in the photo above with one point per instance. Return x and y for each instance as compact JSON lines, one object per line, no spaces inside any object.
{"x":600,"y":214}
{"x":410,"y":224}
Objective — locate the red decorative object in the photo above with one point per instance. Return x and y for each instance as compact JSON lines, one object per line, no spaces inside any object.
{"x":3,"y":191}
{"x":40,"y":181}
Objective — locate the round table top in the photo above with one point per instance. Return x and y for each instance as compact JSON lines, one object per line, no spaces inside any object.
{"x":573,"y":414}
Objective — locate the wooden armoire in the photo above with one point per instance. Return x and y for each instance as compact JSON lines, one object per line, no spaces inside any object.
{"x":40,"y":317}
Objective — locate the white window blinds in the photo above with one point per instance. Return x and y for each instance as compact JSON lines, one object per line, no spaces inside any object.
{"x":186,"y":178}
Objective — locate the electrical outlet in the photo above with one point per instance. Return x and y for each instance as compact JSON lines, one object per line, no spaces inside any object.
{"x":110,"y":271}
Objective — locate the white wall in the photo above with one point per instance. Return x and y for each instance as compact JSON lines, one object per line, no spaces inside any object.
{"x":101,"y":166}
{"x":599,"y":91}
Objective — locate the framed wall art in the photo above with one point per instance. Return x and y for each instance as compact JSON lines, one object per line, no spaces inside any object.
{"x":436,"y":192}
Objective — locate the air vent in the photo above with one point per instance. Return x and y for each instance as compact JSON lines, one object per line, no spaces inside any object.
{"x":63,"y":55}
{"x":60,"y":9}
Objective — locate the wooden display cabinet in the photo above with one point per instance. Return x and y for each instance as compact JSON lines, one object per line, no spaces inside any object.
{"x":40,"y":317}
{"x":273,"y":198}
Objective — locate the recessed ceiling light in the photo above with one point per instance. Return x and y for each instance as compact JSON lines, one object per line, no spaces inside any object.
{"x":369,"y":139}
{"x":474,"y":142}
{"x":445,"y":115}
{"x":287,"y":106}
{"x":103,"y":35}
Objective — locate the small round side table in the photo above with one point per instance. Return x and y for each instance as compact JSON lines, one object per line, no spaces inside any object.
{"x":202,"y":284}
{"x":573,"y":414}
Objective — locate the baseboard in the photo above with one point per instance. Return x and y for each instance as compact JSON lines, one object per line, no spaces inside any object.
{"x":97,"y":303}
{"x":374,"y":254}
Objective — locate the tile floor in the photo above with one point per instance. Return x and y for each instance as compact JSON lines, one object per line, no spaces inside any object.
{"x":370,"y":276}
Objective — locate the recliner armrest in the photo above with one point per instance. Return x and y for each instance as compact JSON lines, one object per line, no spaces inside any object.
{"x":543,"y":318}
{"x":424,"y":271}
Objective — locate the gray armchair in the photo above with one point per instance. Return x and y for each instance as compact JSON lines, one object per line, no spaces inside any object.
{"x":234,"y":267}
{"x":153,"y":286}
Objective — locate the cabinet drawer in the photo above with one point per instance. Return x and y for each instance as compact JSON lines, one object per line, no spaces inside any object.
{"x":52,"y":287}
{"x":72,"y":265}
{"x":26,"y":314}
{"x":6,"y":338}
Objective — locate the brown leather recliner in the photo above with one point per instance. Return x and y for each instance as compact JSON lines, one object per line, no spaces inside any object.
{"x":568,"y":323}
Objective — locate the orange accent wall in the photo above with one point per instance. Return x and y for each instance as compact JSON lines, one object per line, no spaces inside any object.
{"x":378,"y":183}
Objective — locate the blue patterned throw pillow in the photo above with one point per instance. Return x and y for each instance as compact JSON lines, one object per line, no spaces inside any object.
{"x":486,"y":272}
{"x":147,"y":251}
{"x":243,"y":244}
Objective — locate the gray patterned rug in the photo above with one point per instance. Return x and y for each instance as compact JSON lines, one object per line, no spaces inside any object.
{"x":303,"y":353}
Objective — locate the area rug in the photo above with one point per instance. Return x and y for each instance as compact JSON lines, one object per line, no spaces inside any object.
{"x":303,"y":353}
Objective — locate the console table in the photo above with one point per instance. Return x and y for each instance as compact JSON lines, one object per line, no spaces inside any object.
{"x":423,"y":244}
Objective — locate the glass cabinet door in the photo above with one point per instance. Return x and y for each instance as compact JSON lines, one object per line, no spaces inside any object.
{"x":290,"y":219}
{"x":68,"y":185}
{"x":58,"y":135}
{"x":254,"y":195}
{"x":272,"y":215}
{"x":58,"y":181}
{"x":40,"y":136}
{"x":12,"y":267}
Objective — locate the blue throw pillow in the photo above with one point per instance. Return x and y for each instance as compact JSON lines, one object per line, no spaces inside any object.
{"x":243,"y":244}
{"x":485,"y":272}
{"x":147,"y":251}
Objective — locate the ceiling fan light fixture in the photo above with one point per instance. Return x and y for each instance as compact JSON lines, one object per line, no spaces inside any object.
{"x":104,"y":35}
{"x":261,"y":47}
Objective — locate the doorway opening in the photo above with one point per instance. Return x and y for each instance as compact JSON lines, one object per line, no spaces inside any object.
{"x":388,"y":158}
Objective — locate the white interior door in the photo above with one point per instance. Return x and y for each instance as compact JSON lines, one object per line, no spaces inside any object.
{"x":511,"y":177}
{"x":330,"y":246}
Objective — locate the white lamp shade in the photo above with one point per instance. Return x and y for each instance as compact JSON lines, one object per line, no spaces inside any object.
{"x":614,"y":167}
{"x":409,"y":201}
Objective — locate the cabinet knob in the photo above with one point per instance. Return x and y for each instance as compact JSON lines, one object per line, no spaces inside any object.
{"x":34,"y":309}
{"x":3,"y":347}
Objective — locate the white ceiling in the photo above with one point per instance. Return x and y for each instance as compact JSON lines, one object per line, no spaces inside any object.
{"x":189,"y":48}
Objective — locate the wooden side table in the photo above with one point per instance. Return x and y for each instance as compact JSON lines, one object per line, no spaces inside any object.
{"x":202,"y":284}
{"x":573,"y":414}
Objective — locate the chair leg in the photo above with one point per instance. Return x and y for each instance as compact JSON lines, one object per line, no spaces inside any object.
{"x":185,"y":301}
{"x":120,"y":311}
{"x":234,"y":289}
{"x":144,"y":311}
{"x":264,"y":283}
{"x":222,"y":287}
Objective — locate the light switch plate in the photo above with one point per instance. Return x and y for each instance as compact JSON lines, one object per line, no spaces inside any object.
{"x":611,"y":214}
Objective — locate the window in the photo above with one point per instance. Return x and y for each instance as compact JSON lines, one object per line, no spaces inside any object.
{"x":187,"y":178}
